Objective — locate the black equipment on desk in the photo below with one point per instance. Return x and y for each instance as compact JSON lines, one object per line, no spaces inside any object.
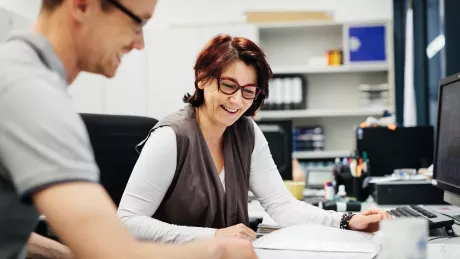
{"x":446,"y":167}
{"x":279,"y":138}
{"x":435,"y":219}
{"x":406,"y":192}
{"x":404,"y":147}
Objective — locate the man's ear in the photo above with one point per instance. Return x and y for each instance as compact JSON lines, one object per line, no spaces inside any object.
{"x":80,"y":9}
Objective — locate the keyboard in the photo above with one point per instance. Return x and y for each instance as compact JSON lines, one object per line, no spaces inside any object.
{"x":435,"y":219}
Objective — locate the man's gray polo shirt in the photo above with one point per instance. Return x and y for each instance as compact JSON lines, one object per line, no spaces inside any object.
{"x":43,"y":141}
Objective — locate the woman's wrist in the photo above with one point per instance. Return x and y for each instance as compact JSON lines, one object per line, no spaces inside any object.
{"x":345,"y":220}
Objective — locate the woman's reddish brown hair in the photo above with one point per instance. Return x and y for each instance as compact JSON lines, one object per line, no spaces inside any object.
{"x":220,"y":52}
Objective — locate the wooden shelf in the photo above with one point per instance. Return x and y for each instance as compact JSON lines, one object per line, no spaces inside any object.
{"x":319,"y":113}
{"x":320,"y":154}
{"x":370,"y":67}
{"x":312,"y":24}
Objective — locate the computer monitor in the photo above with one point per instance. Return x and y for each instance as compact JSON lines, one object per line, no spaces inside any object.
{"x":279,"y":138}
{"x":446,"y":168}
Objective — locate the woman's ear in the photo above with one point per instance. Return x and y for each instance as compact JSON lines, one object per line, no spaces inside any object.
{"x":200,"y":85}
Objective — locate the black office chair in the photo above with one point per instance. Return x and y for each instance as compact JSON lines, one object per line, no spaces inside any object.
{"x":114,"y":138}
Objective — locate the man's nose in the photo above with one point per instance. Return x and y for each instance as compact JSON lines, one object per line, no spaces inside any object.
{"x":139,"y":43}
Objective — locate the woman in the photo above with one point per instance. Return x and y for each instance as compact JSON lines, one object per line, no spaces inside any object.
{"x":197,"y":165}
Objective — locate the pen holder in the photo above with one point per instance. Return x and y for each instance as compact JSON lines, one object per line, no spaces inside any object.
{"x":343,"y":177}
{"x":361,"y":187}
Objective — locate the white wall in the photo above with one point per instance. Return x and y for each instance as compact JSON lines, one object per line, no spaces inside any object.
{"x":221,"y":11}
{"x":25,"y":8}
{"x":181,"y":27}
{"x":152,"y":82}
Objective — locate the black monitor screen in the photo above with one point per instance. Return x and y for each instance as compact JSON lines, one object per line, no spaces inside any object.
{"x":447,"y":164}
{"x":279,"y":138}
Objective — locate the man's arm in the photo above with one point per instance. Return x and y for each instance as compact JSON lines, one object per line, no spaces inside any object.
{"x":84,"y":217}
{"x":40,"y":247}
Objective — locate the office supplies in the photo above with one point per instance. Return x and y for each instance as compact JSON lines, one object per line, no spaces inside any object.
{"x":279,"y":138}
{"x":340,"y":206}
{"x":404,"y":192}
{"x":309,"y":237}
{"x":329,"y":191}
{"x":404,"y":147}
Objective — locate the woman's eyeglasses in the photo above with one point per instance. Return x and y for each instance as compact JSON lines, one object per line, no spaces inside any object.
{"x":230,"y":86}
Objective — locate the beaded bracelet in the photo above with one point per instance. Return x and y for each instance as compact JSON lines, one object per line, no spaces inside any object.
{"x":344,"y":222}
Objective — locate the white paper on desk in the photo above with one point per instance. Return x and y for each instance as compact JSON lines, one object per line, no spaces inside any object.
{"x":444,"y":251}
{"x":267,"y":220}
{"x":288,"y":254}
{"x":319,"y":238}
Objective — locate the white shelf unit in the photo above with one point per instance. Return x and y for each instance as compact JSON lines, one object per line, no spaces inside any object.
{"x":376,"y":67}
{"x":332,"y":95}
{"x":320,"y":154}
{"x":312,"y":113}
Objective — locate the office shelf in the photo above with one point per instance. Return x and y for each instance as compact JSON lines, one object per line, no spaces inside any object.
{"x":313,"y":113}
{"x":371,"y":67}
{"x":320,"y":154}
{"x":288,"y":25}
{"x":312,"y":24}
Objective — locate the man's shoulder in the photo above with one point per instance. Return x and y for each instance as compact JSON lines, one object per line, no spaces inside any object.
{"x":19,"y":64}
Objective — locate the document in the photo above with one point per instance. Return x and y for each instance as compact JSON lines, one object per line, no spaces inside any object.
{"x":288,"y":254}
{"x":444,"y":251}
{"x":318,"y":238}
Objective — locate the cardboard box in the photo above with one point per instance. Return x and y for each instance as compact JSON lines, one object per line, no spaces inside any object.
{"x":287,"y":16}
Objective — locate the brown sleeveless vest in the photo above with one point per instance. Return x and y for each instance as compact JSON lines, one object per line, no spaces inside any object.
{"x":196,"y":196}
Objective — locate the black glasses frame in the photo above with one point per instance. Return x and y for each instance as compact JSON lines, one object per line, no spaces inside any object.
{"x":138,"y":20}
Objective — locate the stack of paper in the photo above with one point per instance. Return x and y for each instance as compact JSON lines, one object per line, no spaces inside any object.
{"x":263,"y":229}
{"x":267,"y":226}
{"x":318,"y":238}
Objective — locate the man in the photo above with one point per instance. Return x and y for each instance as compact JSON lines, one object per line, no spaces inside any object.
{"x":46,"y":162}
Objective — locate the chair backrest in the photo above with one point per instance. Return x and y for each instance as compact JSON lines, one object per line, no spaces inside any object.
{"x":114,"y":138}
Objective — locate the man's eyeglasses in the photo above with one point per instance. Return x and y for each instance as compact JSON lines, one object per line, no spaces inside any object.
{"x":138,"y":20}
{"x":230,"y":86}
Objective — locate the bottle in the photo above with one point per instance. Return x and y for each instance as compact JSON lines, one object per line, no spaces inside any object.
{"x":341,"y":194}
{"x":329,"y":191}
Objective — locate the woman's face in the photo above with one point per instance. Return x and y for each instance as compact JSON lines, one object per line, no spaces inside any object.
{"x":223,"y":109}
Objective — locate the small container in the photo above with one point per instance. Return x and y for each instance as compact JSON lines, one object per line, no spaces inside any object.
{"x":334,"y":57}
{"x":329,"y":191}
{"x":341,"y":194}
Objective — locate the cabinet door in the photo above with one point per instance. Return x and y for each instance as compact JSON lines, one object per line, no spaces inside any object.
{"x":171,"y":57}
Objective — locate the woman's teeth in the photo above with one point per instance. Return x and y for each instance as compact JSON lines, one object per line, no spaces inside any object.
{"x":230,"y":110}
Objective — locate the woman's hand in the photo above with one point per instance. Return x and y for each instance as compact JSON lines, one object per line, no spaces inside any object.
{"x":240,"y":231}
{"x":368,"y":221}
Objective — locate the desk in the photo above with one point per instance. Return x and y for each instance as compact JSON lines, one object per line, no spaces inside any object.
{"x":256,"y":211}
